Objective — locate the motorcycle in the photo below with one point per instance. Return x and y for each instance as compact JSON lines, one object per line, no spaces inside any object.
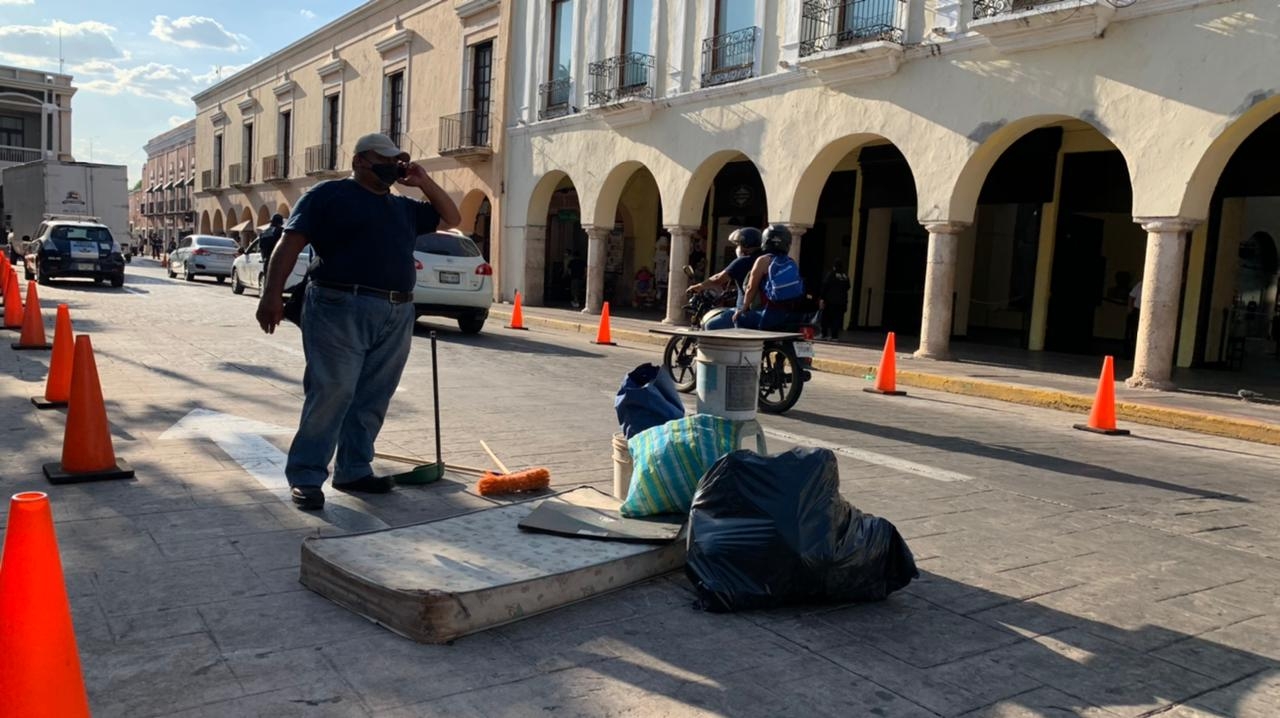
{"x":783,"y":364}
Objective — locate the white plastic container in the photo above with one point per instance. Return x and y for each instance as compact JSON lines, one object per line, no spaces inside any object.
{"x":729,"y":378}
{"x":622,"y":467}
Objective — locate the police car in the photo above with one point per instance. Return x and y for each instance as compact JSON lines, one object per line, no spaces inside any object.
{"x":81,"y":247}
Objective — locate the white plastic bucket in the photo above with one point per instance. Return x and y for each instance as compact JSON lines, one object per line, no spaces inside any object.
{"x":728,"y":378}
{"x":622,"y":467}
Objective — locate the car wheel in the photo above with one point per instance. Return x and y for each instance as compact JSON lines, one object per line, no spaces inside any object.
{"x":236,"y":286}
{"x":172,"y":274}
{"x":471,"y":325}
{"x":186,"y":273}
{"x":117,"y":280}
{"x":42,"y":276}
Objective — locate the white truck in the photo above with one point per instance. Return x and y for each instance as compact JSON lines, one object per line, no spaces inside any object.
{"x":35,"y":191}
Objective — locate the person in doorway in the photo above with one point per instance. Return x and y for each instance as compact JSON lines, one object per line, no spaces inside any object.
{"x":775,"y":279}
{"x":1131,"y":321}
{"x":270,"y":237}
{"x":662,"y":265}
{"x":697,"y":255}
{"x":834,"y":301}
{"x":357,"y":317}
{"x":747,"y":241}
{"x":575,"y":272}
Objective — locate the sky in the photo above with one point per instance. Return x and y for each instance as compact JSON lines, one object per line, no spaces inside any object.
{"x":138,"y":62}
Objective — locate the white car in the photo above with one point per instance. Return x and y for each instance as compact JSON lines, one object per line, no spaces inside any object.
{"x":454,"y":281}
{"x":203,"y":254}
{"x":247,"y":272}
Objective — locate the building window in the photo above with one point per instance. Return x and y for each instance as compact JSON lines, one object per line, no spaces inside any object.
{"x":11,"y":132}
{"x":286,"y":142}
{"x":481,"y":92}
{"x":734,"y":15}
{"x":332,"y":127}
{"x":637,"y":19}
{"x":217,"y":160}
{"x":246,"y":155}
{"x":556,"y":92}
{"x":393,"y":106}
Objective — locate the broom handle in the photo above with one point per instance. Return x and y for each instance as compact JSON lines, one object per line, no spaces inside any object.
{"x":501,"y":466}
{"x":435,"y":395}
{"x":415,"y":461}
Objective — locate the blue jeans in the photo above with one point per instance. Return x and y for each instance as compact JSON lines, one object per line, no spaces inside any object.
{"x":356,"y":349}
{"x":768,"y":318}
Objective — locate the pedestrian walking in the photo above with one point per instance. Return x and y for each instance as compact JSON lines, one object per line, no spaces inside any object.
{"x":833,"y":300}
{"x":270,"y":237}
{"x":357,"y":316}
{"x":168,"y":252}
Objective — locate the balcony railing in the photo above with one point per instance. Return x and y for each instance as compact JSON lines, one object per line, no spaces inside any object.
{"x":729,"y":57}
{"x":464,"y":132}
{"x":832,"y":24}
{"x":275,"y":168}
{"x":321,"y":158}
{"x":992,"y":8}
{"x":236,"y":175}
{"x":19,"y":154}
{"x":625,"y":77}
{"x":173,"y":206}
{"x":555,"y":98}
{"x":210,"y":180}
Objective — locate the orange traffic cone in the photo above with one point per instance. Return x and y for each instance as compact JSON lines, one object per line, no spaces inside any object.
{"x":39,"y":664}
{"x":5,"y":269}
{"x":517,"y":315}
{"x":57,"y":388}
{"x":86,"y":447}
{"x":887,"y":374}
{"x":13,"y":303}
{"x":1102,"y":420}
{"x":602,"y":335}
{"x":32,"y":323}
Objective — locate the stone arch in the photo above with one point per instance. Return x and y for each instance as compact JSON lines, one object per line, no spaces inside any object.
{"x":217,"y":227}
{"x":804,"y":205}
{"x":264,"y":215}
{"x":540,"y":198}
{"x":695,"y":193}
{"x":282,"y":209}
{"x":246,"y":215}
{"x":205,"y":227}
{"x":1204,"y":178}
{"x":604,"y":204}
{"x":468,"y":208}
{"x":968,"y":182}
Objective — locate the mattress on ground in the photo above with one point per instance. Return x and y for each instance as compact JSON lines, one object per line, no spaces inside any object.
{"x":439,"y":580}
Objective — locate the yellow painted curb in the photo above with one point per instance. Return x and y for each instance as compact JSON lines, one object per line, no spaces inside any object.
{"x":1169,"y":418}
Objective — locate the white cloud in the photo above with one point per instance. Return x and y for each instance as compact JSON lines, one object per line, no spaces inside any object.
{"x":41,"y":45}
{"x":194,"y":31}
{"x":218,"y":73}
{"x":17,"y":2}
{"x":152,"y":80}
{"x":305,"y":12}
{"x":174,"y":120}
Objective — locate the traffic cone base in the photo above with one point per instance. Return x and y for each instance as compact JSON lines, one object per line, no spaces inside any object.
{"x":603,"y":335}
{"x":517,"y":315}
{"x":893,"y":392}
{"x":43,"y":403}
{"x":1094,"y":430}
{"x":57,"y":475}
{"x":20,"y":346}
{"x":1102,"y":419}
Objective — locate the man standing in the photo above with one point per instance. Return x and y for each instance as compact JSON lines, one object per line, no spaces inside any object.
{"x":575,"y":270}
{"x":267,"y":242}
{"x":834,"y":301}
{"x":357,"y":317}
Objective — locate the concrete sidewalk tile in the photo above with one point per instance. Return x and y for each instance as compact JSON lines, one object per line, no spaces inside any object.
{"x":316,"y":700}
{"x":211,"y":523}
{"x":1257,"y":696}
{"x":261,"y":670}
{"x":130,"y":589}
{"x":156,"y":678}
{"x":812,"y":686}
{"x":157,"y":625}
{"x":925,"y":637}
{"x":1042,"y":703}
{"x":279,"y":622}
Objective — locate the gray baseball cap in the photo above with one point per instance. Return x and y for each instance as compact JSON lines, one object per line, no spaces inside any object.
{"x":381,"y":144}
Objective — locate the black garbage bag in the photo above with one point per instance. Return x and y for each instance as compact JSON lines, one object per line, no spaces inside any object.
{"x":647,"y":398}
{"x":766,"y":531}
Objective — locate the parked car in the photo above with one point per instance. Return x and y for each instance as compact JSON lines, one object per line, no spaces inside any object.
{"x":198,"y":254}
{"x":73,"y":248}
{"x":454,"y":281}
{"x":247,"y":271}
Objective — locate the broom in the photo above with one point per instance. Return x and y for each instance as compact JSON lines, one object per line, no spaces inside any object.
{"x":510,"y":482}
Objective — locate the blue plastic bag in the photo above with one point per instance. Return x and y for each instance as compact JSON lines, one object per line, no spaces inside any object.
{"x":647,"y":398}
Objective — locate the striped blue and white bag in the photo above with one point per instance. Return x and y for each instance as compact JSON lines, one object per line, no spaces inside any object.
{"x":669,"y":460}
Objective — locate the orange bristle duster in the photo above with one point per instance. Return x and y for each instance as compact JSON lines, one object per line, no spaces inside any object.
{"x":526,"y":480}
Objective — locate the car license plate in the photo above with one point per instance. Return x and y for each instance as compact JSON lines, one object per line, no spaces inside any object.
{"x":450,"y":278}
{"x":804,"y":350}
{"x":83,"y":267}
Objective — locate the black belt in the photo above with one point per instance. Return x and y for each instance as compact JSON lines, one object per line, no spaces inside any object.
{"x":388,"y":294}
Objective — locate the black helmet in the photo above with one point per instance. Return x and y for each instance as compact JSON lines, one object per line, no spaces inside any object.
{"x":777,"y":239}
{"x":747,"y":238}
{"x":277,"y":219}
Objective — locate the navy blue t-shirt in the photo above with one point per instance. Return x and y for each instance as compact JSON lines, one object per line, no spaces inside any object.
{"x":738,"y":270}
{"x":362,"y":237}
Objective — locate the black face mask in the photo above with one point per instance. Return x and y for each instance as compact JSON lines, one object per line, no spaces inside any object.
{"x":387,"y":174}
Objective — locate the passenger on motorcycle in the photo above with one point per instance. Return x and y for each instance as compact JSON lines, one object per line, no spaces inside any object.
{"x":748,"y":241}
{"x":775,"y":279}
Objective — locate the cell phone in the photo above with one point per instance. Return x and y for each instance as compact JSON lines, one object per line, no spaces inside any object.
{"x":402,"y":170}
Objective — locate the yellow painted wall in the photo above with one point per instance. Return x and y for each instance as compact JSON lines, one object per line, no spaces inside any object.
{"x":1124,"y":244}
{"x":875,"y":262}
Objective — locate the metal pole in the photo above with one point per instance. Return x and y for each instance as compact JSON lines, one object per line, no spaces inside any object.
{"x":435,"y":397}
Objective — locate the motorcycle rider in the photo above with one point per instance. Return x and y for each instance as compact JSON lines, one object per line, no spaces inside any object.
{"x":775,"y":278}
{"x":748,"y":241}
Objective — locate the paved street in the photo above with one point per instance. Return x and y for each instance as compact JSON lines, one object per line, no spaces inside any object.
{"x":1063,"y":573}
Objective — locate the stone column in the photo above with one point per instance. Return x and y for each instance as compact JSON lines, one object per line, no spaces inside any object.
{"x":597,"y":237}
{"x":939,"y":289}
{"x":797,"y":231}
{"x":1158,"y":311}
{"x":531,"y":286}
{"x":677,"y":281}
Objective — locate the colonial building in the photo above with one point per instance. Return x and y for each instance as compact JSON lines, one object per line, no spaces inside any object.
{"x":35,"y":118}
{"x":426,"y":74}
{"x":1002,"y":171}
{"x":168,"y":186}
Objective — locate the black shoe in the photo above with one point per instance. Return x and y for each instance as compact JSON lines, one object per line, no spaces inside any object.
{"x":308,"y":498}
{"x":368,"y":485}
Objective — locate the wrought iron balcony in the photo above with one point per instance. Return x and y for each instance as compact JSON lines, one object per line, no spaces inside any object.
{"x":621,"y":78}
{"x":729,"y":57}
{"x":238,"y":175}
{"x":992,"y":8}
{"x":555,"y":98}
{"x":466,"y":133}
{"x":275,"y":168}
{"x":211,"y":180}
{"x":832,"y":24}
{"x":321,"y":158}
